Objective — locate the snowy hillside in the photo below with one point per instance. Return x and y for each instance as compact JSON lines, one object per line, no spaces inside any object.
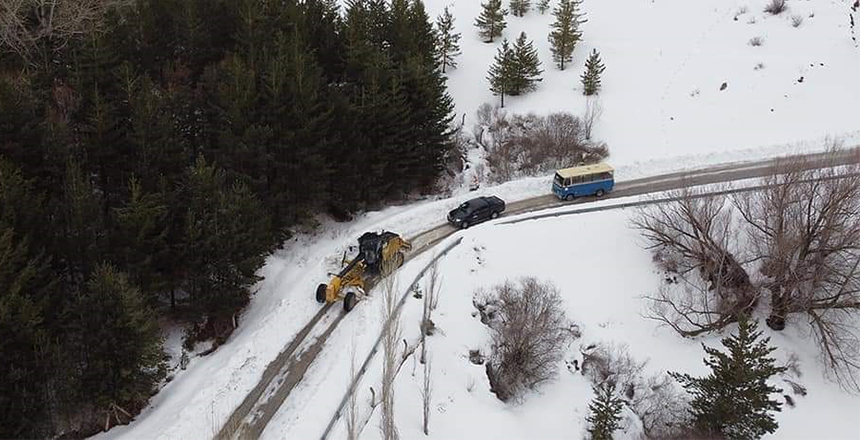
{"x":665,"y":63}
{"x":663,"y":111}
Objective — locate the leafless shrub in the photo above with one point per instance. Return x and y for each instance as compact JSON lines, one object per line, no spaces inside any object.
{"x":662,"y":408}
{"x":470,"y":385}
{"x":658,"y":402}
{"x":693,"y":237}
{"x":806,"y":235}
{"x":390,"y":364}
{"x":775,"y":7}
{"x":529,"y":145}
{"x":741,"y":11}
{"x":796,"y":20}
{"x":530,"y":338}
{"x":756,"y":41}
{"x":593,"y":112}
{"x":611,"y":363}
{"x":796,"y":388}
{"x":758,"y":66}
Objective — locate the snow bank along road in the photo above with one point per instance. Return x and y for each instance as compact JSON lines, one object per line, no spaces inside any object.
{"x":282,"y":375}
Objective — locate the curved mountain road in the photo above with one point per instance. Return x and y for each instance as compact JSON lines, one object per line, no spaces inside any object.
{"x":281,"y":376}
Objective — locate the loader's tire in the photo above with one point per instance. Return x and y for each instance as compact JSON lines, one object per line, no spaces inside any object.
{"x":349,"y":301}
{"x":321,"y":293}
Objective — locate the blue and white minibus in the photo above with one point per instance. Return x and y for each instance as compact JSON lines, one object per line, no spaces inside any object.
{"x":587,"y":180}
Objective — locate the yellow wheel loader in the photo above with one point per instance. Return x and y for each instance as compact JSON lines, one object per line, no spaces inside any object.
{"x":379,"y":254}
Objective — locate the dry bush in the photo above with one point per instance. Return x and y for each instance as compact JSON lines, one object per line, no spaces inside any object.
{"x":529,"y":145}
{"x":529,"y":333}
{"x":796,"y":20}
{"x":611,"y":363}
{"x":775,"y":7}
{"x":662,"y":407}
{"x":806,"y":236}
{"x":656,"y":400}
{"x":756,"y":41}
{"x":692,"y":238}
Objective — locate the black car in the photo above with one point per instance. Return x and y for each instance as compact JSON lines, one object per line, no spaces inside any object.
{"x":476,"y":211}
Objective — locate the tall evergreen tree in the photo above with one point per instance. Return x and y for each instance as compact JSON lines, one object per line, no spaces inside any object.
{"x":526,"y":66}
{"x":503,"y":74}
{"x":227,"y":237}
{"x":449,"y":41}
{"x":519,"y":8}
{"x":144,"y":225}
{"x":121,"y":358}
{"x":543,"y":6}
{"x":734,"y":400}
{"x":491,"y":22}
{"x":591,"y":77}
{"x":565,"y":31}
{"x":604,"y":413}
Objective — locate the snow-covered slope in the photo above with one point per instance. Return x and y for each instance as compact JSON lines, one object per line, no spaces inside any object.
{"x":665,"y":63}
{"x":663,"y":111}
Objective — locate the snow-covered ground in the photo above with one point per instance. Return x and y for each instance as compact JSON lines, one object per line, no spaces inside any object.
{"x":665,"y":63}
{"x":598,"y":263}
{"x":663,"y":111}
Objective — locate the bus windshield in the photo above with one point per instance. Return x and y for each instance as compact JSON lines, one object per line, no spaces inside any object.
{"x":558,"y":180}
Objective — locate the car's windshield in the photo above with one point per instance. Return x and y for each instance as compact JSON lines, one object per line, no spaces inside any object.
{"x":464,"y":207}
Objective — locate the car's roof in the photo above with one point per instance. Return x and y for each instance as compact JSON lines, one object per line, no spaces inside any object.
{"x":584,"y":170}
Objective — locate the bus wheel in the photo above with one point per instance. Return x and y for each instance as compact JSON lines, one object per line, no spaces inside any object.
{"x":569,"y":197}
{"x":600,"y":193}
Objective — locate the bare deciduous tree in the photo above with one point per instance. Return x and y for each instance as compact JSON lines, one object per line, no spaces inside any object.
{"x":28,"y":25}
{"x":693,"y":237}
{"x":805,"y":229}
{"x":390,"y":362}
{"x":529,"y":336}
{"x":426,"y":395}
{"x":432,"y":288}
{"x":352,"y":408}
{"x":593,"y":112}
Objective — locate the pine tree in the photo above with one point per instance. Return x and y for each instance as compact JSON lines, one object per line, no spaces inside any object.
{"x":526,"y":66}
{"x":543,"y":6}
{"x":591,"y":77}
{"x":734,"y":400}
{"x":491,"y":22}
{"x":520,"y":7}
{"x":227,"y":237}
{"x":121,"y":358}
{"x":503,"y":75}
{"x":448,"y":46}
{"x":605,"y":413}
{"x":565,"y":33}
{"x":145,"y":252}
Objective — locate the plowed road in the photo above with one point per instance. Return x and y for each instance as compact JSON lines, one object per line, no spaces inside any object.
{"x":250,"y":418}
